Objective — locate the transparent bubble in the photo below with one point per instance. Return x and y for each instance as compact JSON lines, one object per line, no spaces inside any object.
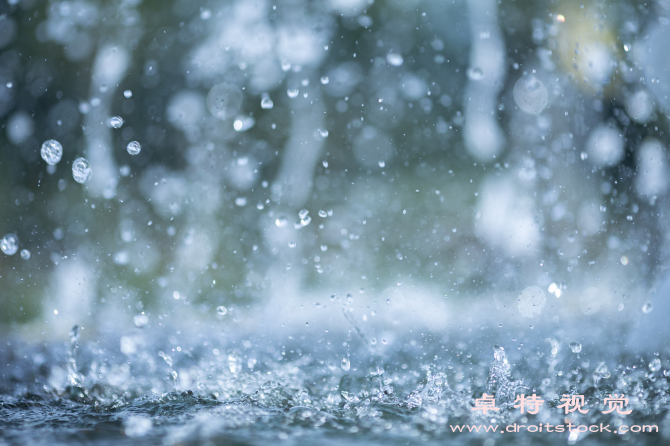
{"x":116,"y":122}
{"x":52,"y":151}
{"x":655,"y":365}
{"x":530,"y":94}
{"x":221,"y":310}
{"x":292,"y":93}
{"x":9,"y":244}
{"x":128,"y":94}
{"x":576,"y":347}
{"x":325,"y":80}
{"x":281,"y":221}
{"x":134,"y":148}
{"x":346,"y":364}
{"x":141,"y":320}
{"x":647,"y":307}
{"x":266,"y":103}
{"x":25,"y":254}
{"x":475,"y":74}
{"x":224,"y":100}
{"x":394,"y":59}
{"x":81,"y":170}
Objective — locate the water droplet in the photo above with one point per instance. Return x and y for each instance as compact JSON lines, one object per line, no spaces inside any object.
{"x":292,"y":245}
{"x":134,"y":148}
{"x":205,"y":14}
{"x":346,"y":364}
{"x":324,"y":80}
{"x":303,"y":213}
{"x":324,"y":248}
{"x":25,"y":254}
{"x":241,"y":201}
{"x":647,"y":307}
{"x":394,"y":59}
{"x":281,"y":221}
{"x":81,"y":170}
{"x":224,"y":100}
{"x":292,"y":93}
{"x":9,"y":244}
{"x":655,"y":365}
{"x":475,"y":73}
{"x":128,"y":94}
{"x":116,"y":122}
{"x":576,"y":347}
{"x":221,"y":310}
{"x":52,"y":151}
{"x":266,"y":103}
{"x":382,"y":164}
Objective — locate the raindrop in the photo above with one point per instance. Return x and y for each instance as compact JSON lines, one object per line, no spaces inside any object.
{"x":324,"y":248}
{"x":52,"y":151}
{"x":303,"y":213}
{"x":9,"y":244}
{"x":224,"y":100}
{"x":241,"y":201}
{"x":576,"y":347}
{"x":655,"y":365}
{"x":281,"y":221}
{"x":647,"y":307}
{"x":81,"y":170}
{"x":221,"y":310}
{"x":116,"y":122}
{"x":134,"y":148}
{"x":292,"y":245}
{"x":292,"y":93}
{"x":325,"y":164}
{"x":382,"y":164}
{"x":128,"y":94}
{"x":325,"y":80}
{"x":25,"y":254}
{"x":346,"y":364}
{"x":323,"y":214}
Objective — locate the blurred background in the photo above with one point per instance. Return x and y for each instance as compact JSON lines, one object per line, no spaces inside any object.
{"x":293,"y":150}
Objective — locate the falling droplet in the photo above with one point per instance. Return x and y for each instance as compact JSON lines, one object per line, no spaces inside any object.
{"x":346,"y":364}
{"x":221,"y":310}
{"x":128,"y":94}
{"x":382,"y":164}
{"x":52,"y":151}
{"x":324,"y":80}
{"x":281,"y":221}
{"x":655,"y":365}
{"x":292,"y":93}
{"x":81,"y":170}
{"x":241,"y":201}
{"x":134,"y":148}
{"x":576,"y":347}
{"x":647,"y":307}
{"x":25,"y":254}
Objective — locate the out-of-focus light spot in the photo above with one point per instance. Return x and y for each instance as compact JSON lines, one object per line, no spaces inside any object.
{"x":560,"y":18}
{"x":624,"y":260}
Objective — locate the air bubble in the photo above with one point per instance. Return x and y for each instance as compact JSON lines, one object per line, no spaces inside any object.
{"x":221,"y":310}
{"x":9,"y":244}
{"x":224,"y":100}
{"x":52,"y":151}
{"x":116,"y":122}
{"x":81,"y":170}
{"x":134,"y":148}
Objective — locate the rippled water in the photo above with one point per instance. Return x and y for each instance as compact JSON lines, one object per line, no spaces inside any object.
{"x":189,"y":387}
